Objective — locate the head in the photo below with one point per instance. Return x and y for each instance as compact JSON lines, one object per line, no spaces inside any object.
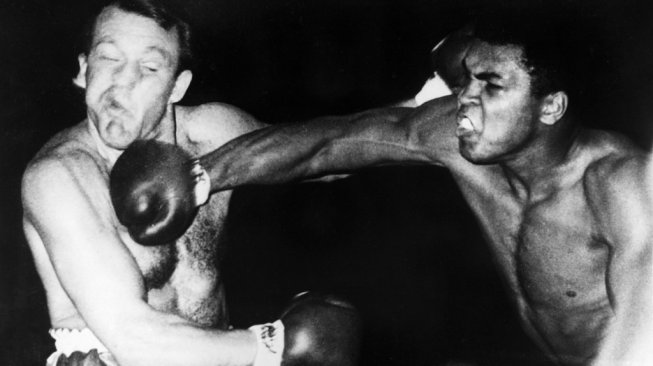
{"x":133,"y":69}
{"x":516,"y":87}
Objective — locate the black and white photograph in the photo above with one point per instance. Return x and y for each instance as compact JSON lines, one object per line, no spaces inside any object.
{"x":326,"y":183}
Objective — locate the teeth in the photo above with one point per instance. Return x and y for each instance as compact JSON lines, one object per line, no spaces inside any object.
{"x":466,"y":124}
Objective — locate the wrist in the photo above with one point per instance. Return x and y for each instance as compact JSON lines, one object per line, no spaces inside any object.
{"x":202,"y":187}
{"x":270,"y":343}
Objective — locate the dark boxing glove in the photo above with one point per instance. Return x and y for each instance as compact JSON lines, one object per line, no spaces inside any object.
{"x":315,"y":330}
{"x":447,"y":57}
{"x":156,"y":189}
{"x":447,"y":62}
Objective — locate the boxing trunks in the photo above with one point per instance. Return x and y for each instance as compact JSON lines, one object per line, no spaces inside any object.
{"x":78,"y":348}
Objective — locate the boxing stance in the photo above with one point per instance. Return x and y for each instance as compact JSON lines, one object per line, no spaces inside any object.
{"x":111,"y":300}
{"x":565,"y":209}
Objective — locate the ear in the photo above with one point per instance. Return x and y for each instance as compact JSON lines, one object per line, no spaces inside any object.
{"x":181,"y":85}
{"x":80,"y":79}
{"x":553,"y":107}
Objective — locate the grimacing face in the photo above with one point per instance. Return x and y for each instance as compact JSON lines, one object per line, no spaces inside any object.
{"x":130,"y":76}
{"x":497,"y":114}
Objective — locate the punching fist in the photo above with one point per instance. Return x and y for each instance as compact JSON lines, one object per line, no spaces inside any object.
{"x":447,"y":57}
{"x":156,"y":189}
{"x":315,"y":330}
{"x":447,"y":62}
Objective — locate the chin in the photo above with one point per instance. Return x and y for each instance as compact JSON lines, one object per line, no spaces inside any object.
{"x":116,"y":136}
{"x":473,"y":156}
{"x":117,"y":141}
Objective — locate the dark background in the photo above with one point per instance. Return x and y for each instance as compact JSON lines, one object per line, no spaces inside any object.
{"x":398,"y":242}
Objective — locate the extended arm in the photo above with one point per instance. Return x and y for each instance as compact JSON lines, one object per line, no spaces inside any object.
{"x":156,"y":213}
{"x":283,"y":153}
{"x":328,"y":145}
{"x":627,"y":212}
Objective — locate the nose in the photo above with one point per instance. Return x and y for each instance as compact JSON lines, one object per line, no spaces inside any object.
{"x":469,"y":93}
{"x":126,"y":75}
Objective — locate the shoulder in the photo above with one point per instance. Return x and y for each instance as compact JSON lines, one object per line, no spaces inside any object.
{"x":65,"y":164}
{"x":614,"y":160}
{"x":214,"y":123}
{"x":617,"y":187}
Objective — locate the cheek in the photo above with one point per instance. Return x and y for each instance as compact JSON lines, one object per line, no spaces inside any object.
{"x":507,"y":123}
{"x":98,"y":82}
{"x":152,"y":105}
{"x":153,"y":92}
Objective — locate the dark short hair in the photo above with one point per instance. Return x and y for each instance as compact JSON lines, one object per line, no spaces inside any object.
{"x":545,"y":38}
{"x":165,"y":13}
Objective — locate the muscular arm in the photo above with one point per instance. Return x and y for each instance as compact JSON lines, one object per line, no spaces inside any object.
{"x":66,"y":205}
{"x":283,"y":153}
{"x":625,"y":210}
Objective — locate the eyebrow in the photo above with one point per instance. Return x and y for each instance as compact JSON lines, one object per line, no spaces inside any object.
{"x":485,"y":75}
{"x":161,"y":51}
{"x":151,"y":49}
{"x":101,"y":41}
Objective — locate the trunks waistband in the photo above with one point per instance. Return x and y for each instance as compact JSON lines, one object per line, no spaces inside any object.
{"x":68,"y":341}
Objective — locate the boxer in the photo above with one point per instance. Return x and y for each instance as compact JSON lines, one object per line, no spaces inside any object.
{"x":566,"y":210}
{"x":111,"y":300}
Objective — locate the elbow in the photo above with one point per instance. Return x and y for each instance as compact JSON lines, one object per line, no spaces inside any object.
{"x":138,"y":340}
{"x":321,"y":161}
{"x":137,"y":351}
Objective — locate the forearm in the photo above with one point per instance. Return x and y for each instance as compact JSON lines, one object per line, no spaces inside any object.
{"x":164,"y":339}
{"x":283,"y":153}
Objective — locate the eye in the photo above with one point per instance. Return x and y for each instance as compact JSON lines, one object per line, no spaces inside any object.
{"x":493,"y":87}
{"x":151,"y":66}
{"x":107,"y":56}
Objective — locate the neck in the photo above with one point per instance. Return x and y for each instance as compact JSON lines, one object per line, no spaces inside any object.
{"x":534,"y":172}
{"x":166,"y":130}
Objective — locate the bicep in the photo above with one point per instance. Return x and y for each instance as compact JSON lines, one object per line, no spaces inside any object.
{"x":430,"y":130}
{"x":623,"y":211}
{"x":622,"y":206}
{"x":219,"y":123}
{"x":378,"y":137}
{"x":74,"y":224}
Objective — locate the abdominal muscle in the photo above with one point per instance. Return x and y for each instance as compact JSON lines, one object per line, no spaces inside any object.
{"x":571,"y":336}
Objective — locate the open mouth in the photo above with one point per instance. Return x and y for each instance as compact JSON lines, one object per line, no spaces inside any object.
{"x":465,"y":126}
{"x":115,"y":108}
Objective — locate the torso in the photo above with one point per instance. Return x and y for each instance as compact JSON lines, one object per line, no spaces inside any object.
{"x":550,"y":253}
{"x":183,"y":278}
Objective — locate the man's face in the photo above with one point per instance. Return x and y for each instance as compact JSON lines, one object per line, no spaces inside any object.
{"x":129,"y":76}
{"x":496,"y":111}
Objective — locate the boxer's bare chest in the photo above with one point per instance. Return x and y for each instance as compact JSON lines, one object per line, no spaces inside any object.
{"x":183,"y":277}
{"x":198,"y":249}
{"x":197,"y":252}
{"x":549,"y":254}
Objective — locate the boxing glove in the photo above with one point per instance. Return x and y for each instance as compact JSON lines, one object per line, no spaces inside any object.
{"x":315,"y":330}
{"x":156,"y":189}
{"x":447,"y":57}
{"x":447,"y":63}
